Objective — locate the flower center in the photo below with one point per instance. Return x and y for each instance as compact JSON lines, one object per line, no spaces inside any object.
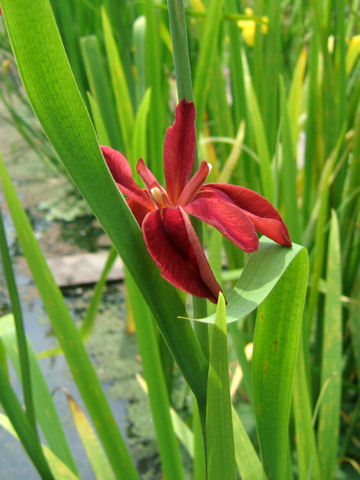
{"x":159,"y":198}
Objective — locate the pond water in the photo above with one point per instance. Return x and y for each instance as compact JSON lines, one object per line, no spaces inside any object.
{"x":49,"y":201}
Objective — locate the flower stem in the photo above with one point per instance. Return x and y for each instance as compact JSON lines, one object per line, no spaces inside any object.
{"x":184,"y":87}
{"x":180,"y":49}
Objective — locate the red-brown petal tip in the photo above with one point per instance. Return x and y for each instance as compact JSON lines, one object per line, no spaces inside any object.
{"x":260,"y":212}
{"x":179,"y":149}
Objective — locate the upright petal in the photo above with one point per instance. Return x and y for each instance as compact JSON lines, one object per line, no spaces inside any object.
{"x":176,"y":250}
{"x":179,"y":149}
{"x":230,"y":220}
{"x":121,"y":172}
{"x":194,"y":185}
{"x":264,"y":216}
{"x":147,"y":176}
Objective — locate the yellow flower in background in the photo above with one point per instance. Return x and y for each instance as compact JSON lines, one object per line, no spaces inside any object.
{"x":6,"y":64}
{"x":352,"y":53}
{"x":248,"y":27}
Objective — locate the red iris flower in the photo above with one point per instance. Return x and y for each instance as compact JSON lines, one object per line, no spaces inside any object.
{"x":162,"y":214}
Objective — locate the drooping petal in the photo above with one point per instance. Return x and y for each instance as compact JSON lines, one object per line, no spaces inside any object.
{"x":179,"y":149}
{"x":175,"y":248}
{"x":264,"y":216}
{"x":121,"y":172}
{"x":230,"y":220}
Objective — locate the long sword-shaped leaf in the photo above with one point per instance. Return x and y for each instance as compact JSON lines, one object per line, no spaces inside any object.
{"x":307,"y":456}
{"x":258,"y":128}
{"x":22,"y":427}
{"x":277,"y":333}
{"x":19,"y":325}
{"x":95,"y":453}
{"x":330,"y":409}
{"x":69,"y":338}
{"x":122,"y":94}
{"x":206,"y":56}
{"x":100,"y":87}
{"x":46,"y":414}
{"x":58,"y":468}
{"x":247,"y":460}
{"x":57,"y":103}
{"x":158,"y":395}
{"x":219,"y":428}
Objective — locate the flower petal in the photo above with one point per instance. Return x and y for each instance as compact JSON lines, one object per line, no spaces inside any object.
{"x":195,"y":184}
{"x":264,"y":216}
{"x":179,"y":149}
{"x":230,"y":220}
{"x":152,"y":183}
{"x":121,"y":172}
{"x":175,"y":248}
{"x":147,"y":176}
{"x":138,"y":210}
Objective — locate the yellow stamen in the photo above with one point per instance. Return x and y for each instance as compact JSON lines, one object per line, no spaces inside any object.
{"x":157,"y":196}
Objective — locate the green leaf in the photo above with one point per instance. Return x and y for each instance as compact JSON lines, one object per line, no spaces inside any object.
{"x":154,"y":67}
{"x":46,"y":414}
{"x":100,"y":87}
{"x":98,"y":121}
{"x":122,"y":95}
{"x":207,"y":52}
{"x":69,"y":337}
{"x":262,"y":272}
{"x":247,"y":460}
{"x":19,"y":325}
{"x":288,"y":172}
{"x":295,"y":97}
{"x":183,"y":432}
{"x":19,"y":421}
{"x":354,"y":322}
{"x":276,"y":340}
{"x":307,"y":456}
{"x":93,"y":449}
{"x":88,"y":322}
{"x":57,"y":103}
{"x":231,"y":161}
{"x":180,"y":49}
{"x":154,"y":375}
{"x":58,"y":468}
{"x":219,"y":429}
{"x":258,"y":129}
{"x":138,"y":41}
{"x":139,"y":135}
{"x":330,"y":407}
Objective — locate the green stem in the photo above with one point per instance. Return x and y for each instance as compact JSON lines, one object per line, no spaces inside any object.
{"x":180,"y":47}
{"x":19,"y":326}
{"x":184,"y":86}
